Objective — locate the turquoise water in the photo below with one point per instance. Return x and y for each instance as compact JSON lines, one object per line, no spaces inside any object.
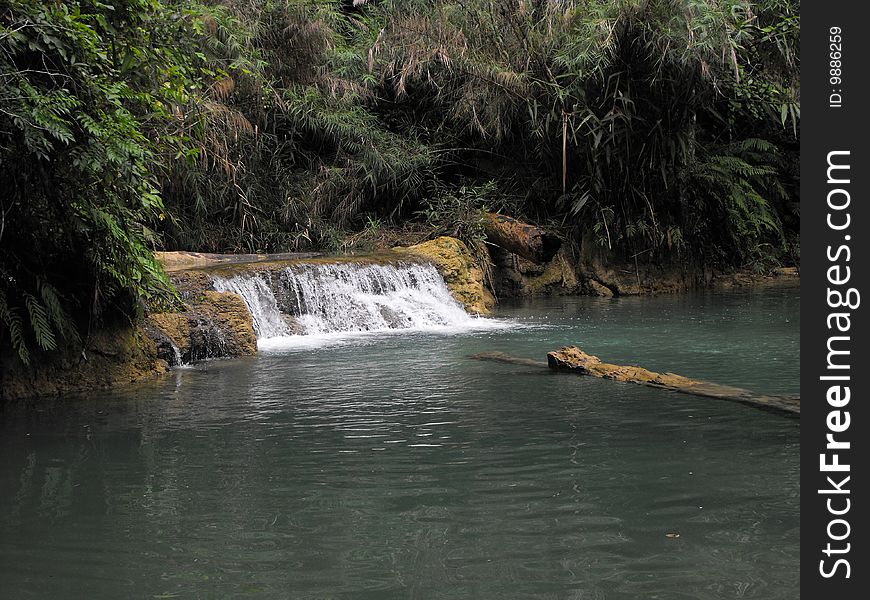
{"x":392,"y":466}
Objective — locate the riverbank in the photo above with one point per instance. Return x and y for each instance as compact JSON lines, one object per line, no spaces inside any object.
{"x":218,"y":323}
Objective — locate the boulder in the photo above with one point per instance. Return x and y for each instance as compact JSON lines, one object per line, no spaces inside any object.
{"x":114,"y":354}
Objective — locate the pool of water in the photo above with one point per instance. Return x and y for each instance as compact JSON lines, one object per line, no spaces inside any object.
{"x":392,"y":466}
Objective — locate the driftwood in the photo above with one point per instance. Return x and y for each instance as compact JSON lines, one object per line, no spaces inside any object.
{"x":528,"y":241}
{"x":573,"y":359}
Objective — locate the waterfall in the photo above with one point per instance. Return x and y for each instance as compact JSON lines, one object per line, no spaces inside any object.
{"x":316,"y":299}
{"x":257,"y":292}
{"x":177,"y":360}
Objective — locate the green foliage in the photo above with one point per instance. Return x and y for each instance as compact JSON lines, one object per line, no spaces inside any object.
{"x":288,"y":150}
{"x":661,"y":128}
{"x":76,"y":174}
{"x":736,"y":188}
{"x":460,"y":212}
{"x":606,"y":107}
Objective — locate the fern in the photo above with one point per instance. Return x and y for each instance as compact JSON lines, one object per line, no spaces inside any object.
{"x":60,"y":319}
{"x":40,"y":323}
{"x":15,"y":326}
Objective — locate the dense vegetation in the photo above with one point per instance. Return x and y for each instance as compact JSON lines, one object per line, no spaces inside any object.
{"x":661,"y":128}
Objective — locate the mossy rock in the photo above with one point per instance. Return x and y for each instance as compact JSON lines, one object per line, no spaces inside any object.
{"x":115,"y":354}
{"x":230,"y":313}
{"x":461,"y":273}
{"x":215,"y":324}
{"x":175,"y":326}
{"x":559,"y":275}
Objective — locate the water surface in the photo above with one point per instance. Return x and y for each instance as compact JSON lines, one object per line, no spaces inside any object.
{"x":391,"y":466}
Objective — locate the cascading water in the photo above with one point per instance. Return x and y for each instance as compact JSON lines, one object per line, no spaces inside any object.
{"x":312,"y":299}
{"x":177,"y":360}
{"x":257,"y":292}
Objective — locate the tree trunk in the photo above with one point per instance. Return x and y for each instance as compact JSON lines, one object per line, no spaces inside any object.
{"x":528,"y":241}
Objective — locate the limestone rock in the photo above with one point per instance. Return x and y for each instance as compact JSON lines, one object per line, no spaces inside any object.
{"x":600,"y":290}
{"x":115,"y":354}
{"x":514,"y":276}
{"x":460,"y":271}
{"x":559,"y":275}
{"x":231,"y":315}
{"x":293,"y":325}
{"x":779,"y":277}
{"x":182,"y":260}
{"x":216,"y":324}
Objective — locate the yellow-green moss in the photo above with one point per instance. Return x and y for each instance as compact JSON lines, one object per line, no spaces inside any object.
{"x":558,"y":273}
{"x":209,"y":310}
{"x":460,"y":271}
{"x":231,"y":314}
{"x":176,"y":326}
{"x":114,"y":355}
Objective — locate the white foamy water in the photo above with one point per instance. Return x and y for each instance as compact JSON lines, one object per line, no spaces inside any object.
{"x":309,"y":305}
{"x":258,"y":295}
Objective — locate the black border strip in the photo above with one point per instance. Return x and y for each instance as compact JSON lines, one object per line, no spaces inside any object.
{"x":834,"y":121}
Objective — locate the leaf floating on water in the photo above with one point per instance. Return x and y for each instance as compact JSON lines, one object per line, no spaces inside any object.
{"x":672,"y":535}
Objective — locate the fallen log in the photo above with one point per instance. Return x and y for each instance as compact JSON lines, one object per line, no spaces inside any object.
{"x":574,"y":359}
{"x":529,"y":241}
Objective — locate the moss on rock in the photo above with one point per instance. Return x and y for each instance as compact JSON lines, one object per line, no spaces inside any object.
{"x":113,"y":355}
{"x":175,"y":326}
{"x":230,"y":314}
{"x":460,"y":271}
{"x":215,"y":324}
{"x":559,"y":275}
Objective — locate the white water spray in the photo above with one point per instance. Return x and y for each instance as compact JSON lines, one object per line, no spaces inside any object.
{"x":257,"y":293}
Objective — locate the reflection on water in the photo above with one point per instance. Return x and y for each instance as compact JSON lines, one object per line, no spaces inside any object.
{"x":394,"y":467}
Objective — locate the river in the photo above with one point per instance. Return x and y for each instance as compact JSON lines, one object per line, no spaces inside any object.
{"x":390,"y":465}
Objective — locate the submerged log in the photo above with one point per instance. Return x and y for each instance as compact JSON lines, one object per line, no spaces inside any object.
{"x":528,"y":241}
{"x":573,"y":359}
{"x":504,"y":357}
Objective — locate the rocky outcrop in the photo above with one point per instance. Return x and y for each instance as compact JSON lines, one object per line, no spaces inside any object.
{"x":514,"y":276}
{"x":113,"y":355}
{"x":783,"y":276}
{"x":639,"y":276}
{"x":595,"y":274}
{"x":460,"y":271}
{"x":212,"y":324}
{"x":575,"y":360}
